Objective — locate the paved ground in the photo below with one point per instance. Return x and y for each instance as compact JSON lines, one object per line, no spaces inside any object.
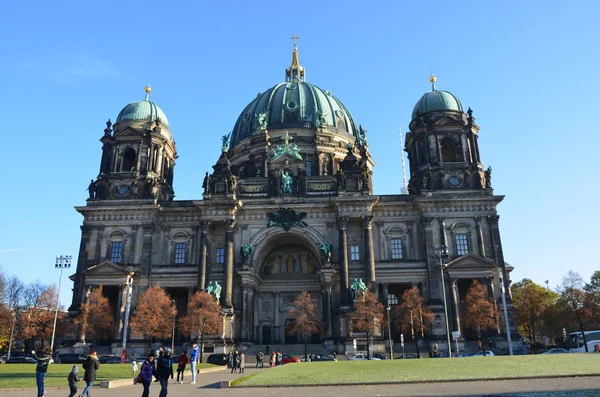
{"x":206,"y":386}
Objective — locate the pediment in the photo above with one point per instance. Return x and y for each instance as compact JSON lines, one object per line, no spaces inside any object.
{"x":286,"y":159}
{"x":128,"y":132}
{"x":108,"y":268}
{"x":449,"y":122}
{"x":471,"y":262}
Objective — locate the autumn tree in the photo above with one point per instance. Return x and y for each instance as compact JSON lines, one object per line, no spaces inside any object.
{"x":581,"y":306}
{"x":13,"y":299}
{"x":95,"y":317}
{"x":203,"y":317}
{"x":306,"y":319}
{"x":37,"y":320}
{"x":532,"y":306}
{"x":154,"y":314}
{"x":413,"y":317}
{"x":366,"y":315}
{"x":478,"y":310}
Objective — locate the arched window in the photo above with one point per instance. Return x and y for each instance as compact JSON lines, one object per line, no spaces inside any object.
{"x":448,"y":150}
{"x":128,"y":160}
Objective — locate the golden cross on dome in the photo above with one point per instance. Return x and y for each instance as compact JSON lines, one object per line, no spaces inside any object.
{"x":294,"y":37}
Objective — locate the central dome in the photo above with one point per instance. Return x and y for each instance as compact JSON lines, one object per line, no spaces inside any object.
{"x":293,"y":104}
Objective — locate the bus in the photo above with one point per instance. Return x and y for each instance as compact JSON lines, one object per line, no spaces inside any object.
{"x":576,"y":344}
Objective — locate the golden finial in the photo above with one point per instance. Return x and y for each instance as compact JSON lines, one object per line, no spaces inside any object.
{"x":432,"y":80}
{"x":295,"y":71}
{"x":147,"y":89}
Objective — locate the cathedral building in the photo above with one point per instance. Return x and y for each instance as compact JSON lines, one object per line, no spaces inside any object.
{"x":289,"y":207}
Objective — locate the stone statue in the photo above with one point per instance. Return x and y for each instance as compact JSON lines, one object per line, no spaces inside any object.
{"x":134,"y":189}
{"x":341,"y":180}
{"x":325,"y":249}
{"x":226,"y":181}
{"x":92,"y":189}
{"x":225,"y":145}
{"x":262,"y":121}
{"x":246,"y":251}
{"x":357,"y":285}
{"x":214,"y":289}
{"x":488,"y":178}
{"x":425,"y":181}
{"x":286,"y":183}
{"x":232,"y":182}
{"x":206,"y":183}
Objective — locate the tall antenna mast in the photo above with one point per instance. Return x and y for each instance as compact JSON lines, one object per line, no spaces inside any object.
{"x":404,"y":189}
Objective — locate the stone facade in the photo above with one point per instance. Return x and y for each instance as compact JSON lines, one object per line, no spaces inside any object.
{"x":284,"y":192}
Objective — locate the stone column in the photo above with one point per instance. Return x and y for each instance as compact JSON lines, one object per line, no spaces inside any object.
{"x":480,"y":240}
{"x":443,"y":237}
{"x":99,"y":256}
{"x":343,"y":258}
{"x":275,"y":337}
{"x":245,"y":289}
{"x":145,"y":261}
{"x":251,"y":311}
{"x":203,"y":255}
{"x":493,"y":221}
{"x":384,"y":293}
{"x":83,"y":326}
{"x":455,"y":304}
{"x":326,"y":276}
{"x":81,"y":266}
{"x":369,"y":251}
{"x":229,"y":259}
{"x":433,"y":292}
{"x":133,"y":245}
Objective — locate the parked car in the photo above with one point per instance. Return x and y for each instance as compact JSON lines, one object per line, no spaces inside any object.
{"x":3,"y":359}
{"x":21,"y":360}
{"x":71,"y":358}
{"x":406,"y":356}
{"x":488,"y":353}
{"x":112,"y":359}
{"x":556,"y":350}
{"x":360,"y":357}
{"x":380,"y":356}
{"x":217,"y":359}
{"x":318,"y":357}
{"x":285,"y":359}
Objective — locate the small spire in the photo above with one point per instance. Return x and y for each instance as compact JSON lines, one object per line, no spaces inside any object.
{"x":295,"y":72}
{"x":432,"y":80}
{"x":147,"y":89}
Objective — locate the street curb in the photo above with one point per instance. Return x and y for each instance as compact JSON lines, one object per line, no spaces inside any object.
{"x":417,"y":382}
{"x":111,"y":384}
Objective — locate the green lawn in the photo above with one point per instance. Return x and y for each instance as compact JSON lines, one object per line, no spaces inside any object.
{"x":347,"y":372}
{"x":23,"y":375}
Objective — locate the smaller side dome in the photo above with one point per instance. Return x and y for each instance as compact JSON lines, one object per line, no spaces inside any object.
{"x":143,"y":111}
{"x":435,"y":100}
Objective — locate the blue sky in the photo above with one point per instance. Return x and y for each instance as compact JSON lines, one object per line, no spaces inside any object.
{"x":527,"y":69}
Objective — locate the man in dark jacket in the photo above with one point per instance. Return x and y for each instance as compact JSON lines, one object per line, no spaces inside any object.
{"x":40,"y":370}
{"x":164,"y":369}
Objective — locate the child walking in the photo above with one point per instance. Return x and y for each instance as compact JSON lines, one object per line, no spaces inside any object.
{"x":182,"y":360}
{"x":73,"y":379}
{"x":134,"y":367}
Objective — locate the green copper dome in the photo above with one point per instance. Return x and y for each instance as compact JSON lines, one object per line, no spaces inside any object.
{"x":142,"y":111}
{"x":437,"y":100}
{"x":293,"y":104}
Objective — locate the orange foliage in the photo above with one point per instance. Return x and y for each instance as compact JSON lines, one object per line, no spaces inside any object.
{"x":367,"y":312}
{"x":305,"y":314}
{"x":478,"y":309}
{"x":154,"y":314}
{"x":413,"y":316}
{"x":203,"y":316}
{"x":95,"y":318}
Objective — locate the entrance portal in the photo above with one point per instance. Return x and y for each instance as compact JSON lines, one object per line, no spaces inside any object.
{"x":290,"y":339}
{"x":266,"y":335}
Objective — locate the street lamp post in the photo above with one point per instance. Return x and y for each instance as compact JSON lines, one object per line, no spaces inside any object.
{"x":391,"y":300}
{"x":127,"y":311}
{"x":442,"y":253}
{"x":62,"y":262}
{"x":506,"y":324}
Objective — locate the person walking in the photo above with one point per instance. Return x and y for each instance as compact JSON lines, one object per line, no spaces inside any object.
{"x":146,"y":373}
{"x":273,"y":359}
{"x":164,"y":369}
{"x":181,"y":362}
{"x":40,"y":370}
{"x":259,"y":359}
{"x":73,"y":379}
{"x":193,"y":361}
{"x":134,"y":367}
{"x":232,"y":358}
{"x":91,"y":365}
{"x":242,"y":362}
